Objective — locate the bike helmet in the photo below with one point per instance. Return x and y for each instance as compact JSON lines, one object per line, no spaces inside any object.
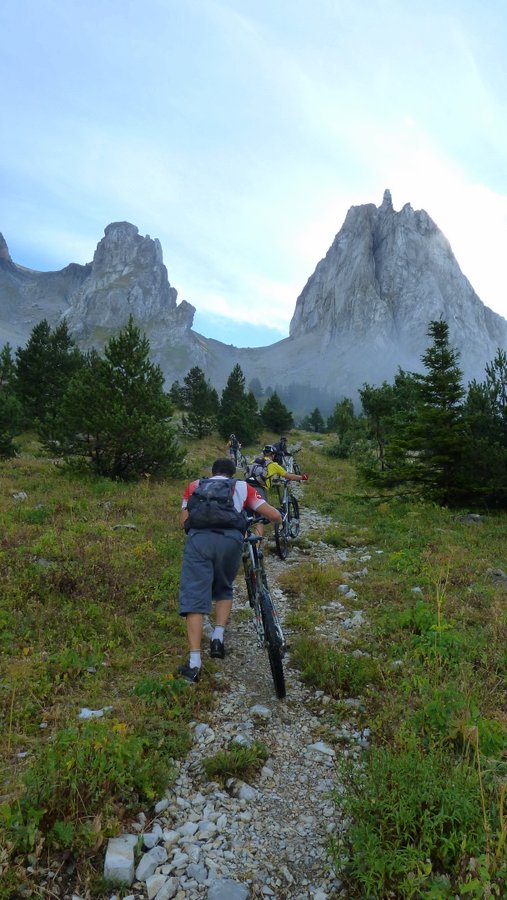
{"x":232,"y":435}
{"x":268,"y":449}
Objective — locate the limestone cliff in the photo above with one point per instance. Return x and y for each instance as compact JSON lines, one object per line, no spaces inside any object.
{"x":364,"y":311}
{"x":385,"y":276}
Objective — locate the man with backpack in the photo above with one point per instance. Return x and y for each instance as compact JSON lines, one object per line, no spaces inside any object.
{"x":233,"y":445}
{"x":214,"y":518}
{"x":261,"y":472}
{"x":281,"y":450}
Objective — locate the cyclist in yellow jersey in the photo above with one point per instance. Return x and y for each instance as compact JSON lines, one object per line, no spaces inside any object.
{"x":273,"y":469}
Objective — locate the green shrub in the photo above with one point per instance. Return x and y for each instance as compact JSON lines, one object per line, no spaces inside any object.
{"x":326,"y":668}
{"x":238,"y":762}
{"x":416,"y":822}
{"x":85,"y":772}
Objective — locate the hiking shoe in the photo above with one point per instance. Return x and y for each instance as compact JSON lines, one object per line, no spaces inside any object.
{"x":189,"y":674}
{"x":217,"y":649}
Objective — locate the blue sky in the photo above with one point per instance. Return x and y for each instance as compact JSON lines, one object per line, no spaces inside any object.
{"x":240,"y":133}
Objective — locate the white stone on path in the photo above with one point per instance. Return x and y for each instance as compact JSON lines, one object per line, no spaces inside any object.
{"x":119,"y":860}
{"x":149,"y":862}
{"x":321,"y":747}
{"x":154,"y":883}
{"x":225,"y":889}
{"x":169,"y":889}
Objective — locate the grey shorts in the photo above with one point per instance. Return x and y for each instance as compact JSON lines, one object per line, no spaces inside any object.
{"x":211,"y":560}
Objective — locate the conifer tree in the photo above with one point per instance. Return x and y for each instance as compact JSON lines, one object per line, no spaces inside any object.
{"x":238,"y":413}
{"x":389,"y":410}
{"x":483,"y":469}
{"x":436,"y":435}
{"x":275,"y":415}
{"x":116,"y":413}
{"x":43,"y":370}
{"x":314,"y":421}
{"x":200,"y":400}
{"x":419,"y":424}
{"x":7,"y":367}
{"x":11,"y":412}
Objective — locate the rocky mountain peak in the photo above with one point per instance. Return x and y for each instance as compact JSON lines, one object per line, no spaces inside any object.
{"x":387,"y":201}
{"x":122,"y":245}
{"x":386,"y":275}
{"x":4,"y":250}
{"x":363,"y":313}
{"x":128,"y":277}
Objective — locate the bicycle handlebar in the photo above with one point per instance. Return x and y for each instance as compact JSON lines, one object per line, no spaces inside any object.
{"x":253,"y":520}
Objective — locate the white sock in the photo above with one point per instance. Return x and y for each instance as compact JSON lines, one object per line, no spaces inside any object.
{"x":195,"y":659}
{"x":218,"y":633}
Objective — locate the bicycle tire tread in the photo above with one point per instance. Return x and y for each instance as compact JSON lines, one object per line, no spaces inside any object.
{"x":275,"y":652}
{"x":281,"y":542}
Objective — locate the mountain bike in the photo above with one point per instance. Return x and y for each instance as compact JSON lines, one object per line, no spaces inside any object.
{"x":241,"y":460}
{"x":290,"y":465}
{"x":265,"y":617}
{"x":295,"y":466}
{"x":289,"y":508}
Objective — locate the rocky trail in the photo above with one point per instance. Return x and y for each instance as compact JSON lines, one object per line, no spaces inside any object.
{"x":270,"y":837}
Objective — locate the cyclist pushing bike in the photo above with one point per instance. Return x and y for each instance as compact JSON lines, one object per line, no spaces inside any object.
{"x":263,"y":470}
{"x":233,"y":447}
{"x":213,"y":517}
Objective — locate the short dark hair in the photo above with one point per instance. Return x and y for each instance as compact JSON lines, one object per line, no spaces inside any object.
{"x":223,"y":467}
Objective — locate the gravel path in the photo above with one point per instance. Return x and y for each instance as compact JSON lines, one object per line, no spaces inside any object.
{"x":270,"y":837}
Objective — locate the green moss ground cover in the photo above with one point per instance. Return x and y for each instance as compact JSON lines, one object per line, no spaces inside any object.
{"x":88,"y":618}
{"x":428,"y":809}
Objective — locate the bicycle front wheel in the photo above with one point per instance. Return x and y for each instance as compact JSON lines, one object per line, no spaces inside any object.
{"x":295,"y":468}
{"x":282,"y":544}
{"x":293,"y":517}
{"x":274,"y":644}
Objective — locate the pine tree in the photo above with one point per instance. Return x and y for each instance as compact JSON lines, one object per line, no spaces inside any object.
{"x":200,"y":400}
{"x":496,"y":385}
{"x":483,"y":468}
{"x":436,"y":435}
{"x":7,"y":367}
{"x":275,"y":415}
{"x":418,"y":424}
{"x":116,"y":414}
{"x":11,"y":412}
{"x":256,"y":388}
{"x":314,"y":422}
{"x":43,"y":370}
{"x":238,"y":413}
{"x":389,"y":410}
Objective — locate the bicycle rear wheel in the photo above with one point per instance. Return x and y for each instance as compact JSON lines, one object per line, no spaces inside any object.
{"x":282,"y":544}
{"x":274,"y":644}
{"x":293,"y":517}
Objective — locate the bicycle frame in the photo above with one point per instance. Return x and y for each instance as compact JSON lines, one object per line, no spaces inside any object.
{"x":290,"y":463}
{"x":289,"y":508}
{"x":254,"y":574}
{"x":266,"y":621}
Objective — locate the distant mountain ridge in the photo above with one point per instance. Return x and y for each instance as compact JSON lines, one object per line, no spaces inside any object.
{"x":362,"y":313}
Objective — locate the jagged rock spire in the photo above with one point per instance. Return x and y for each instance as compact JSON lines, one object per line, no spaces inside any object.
{"x":4,"y":250}
{"x":387,"y":201}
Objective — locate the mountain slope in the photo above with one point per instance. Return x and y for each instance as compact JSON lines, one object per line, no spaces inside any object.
{"x":363,"y":312}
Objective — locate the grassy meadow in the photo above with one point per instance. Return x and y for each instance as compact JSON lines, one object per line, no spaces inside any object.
{"x":89,"y":572}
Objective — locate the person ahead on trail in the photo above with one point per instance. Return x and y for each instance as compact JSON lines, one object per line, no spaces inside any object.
{"x":281,"y":450}
{"x":233,"y":445}
{"x":212,"y":514}
{"x":261,"y":472}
